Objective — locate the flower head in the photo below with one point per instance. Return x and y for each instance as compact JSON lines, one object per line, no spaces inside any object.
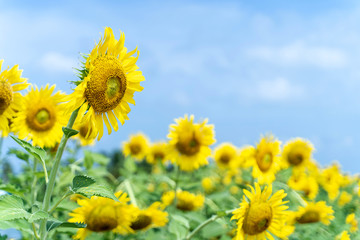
{"x":350,"y":219}
{"x":41,"y":117}
{"x":225,"y":156}
{"x":11,"y":83}
{"x":109,"y":84}
{"x":261,"y":214}
{"x":297,"y":153}
{"x":185,"y":200}
{"x":157,"y":152}
{"x":314,"y":212}
{"x":152,"y":217}
{"x":189,"y":143}
{"x":136,"y":147}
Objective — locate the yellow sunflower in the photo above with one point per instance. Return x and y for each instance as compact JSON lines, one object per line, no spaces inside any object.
{"x":314,"y":212}
{"x":307,"y":184}
{"x":297,"y":153}
{"x":264,"y":159}
{"x":208,"y":184}
{"x":344,"y":198}
{"x":350,"y":219}
{"x":344,"y":235}
{"x":108,"y":86}
{"x":41,"y":117}
{"x":331,"y":179}
{"x":189,"y":143}
{"x":185,"y":200}
{"x":261,"y":215}
{"x":157,"y":152}
{"x":103,"y":214}
{"x":225,"y":156}
{"x":11,"y":83}
{"x":85,"y":131}
{"x":152,"y":217}
{"x":137,"y":147}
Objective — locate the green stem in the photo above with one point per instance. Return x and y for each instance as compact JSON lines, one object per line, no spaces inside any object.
{"x":67,"y":194}
{"x":34,"y":229}
{"x":53,"y":173}
{"x":33,"y":186}
{"x":206,"y":222}
{"x":176,"y":184}
{"x":130,"y":192}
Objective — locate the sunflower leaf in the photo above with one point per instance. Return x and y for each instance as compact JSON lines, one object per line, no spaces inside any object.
{"x":12,"y":207}
{"x":37,"y":216}
{"x":81,"y":181}
{"x":96,"y":190}
{"x":50,"y":225}
{"x":69,"y":132}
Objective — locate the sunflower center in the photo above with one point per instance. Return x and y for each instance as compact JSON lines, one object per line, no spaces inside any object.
{"x":107,"y":84}
{"x":41,"y":119}
{"x":6,"y":96}
{"x":309,"y":217}
{"x":84,"y":129}
{"x":141,"y":222}
{"x":188,"y":147}
{"x":225,"y":159}
{"x":264,"y":162}
{"x":159,"y":155}
{"x":295,"y":158}
{"x":257,"y":218}
{"x":185,"y":205}
{"x":101,"y":219}
{"x":135,"y":149}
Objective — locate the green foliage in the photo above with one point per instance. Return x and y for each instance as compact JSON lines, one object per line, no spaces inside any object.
{"x":69,"y":132}
{"x":81,"y":181}
{"x":51,"y":225}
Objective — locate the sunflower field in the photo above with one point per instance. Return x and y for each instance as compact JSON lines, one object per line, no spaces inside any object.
{"x":187,"y":186}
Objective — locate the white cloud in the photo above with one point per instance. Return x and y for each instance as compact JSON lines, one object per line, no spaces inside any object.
{"x":278,"y":90}
{"x":53,"y":61}
{"x":299,"y":53}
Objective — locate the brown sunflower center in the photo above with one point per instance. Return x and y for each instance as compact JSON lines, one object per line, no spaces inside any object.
{"x":264,"y":161}
{"x":41,"y":119}
{"x":188,"y":147}
{"x":6,"y":96}
{"x":225,"y":159}
{"x":101,"y":219}
{"x":107,"y":84}
{"x":185,"y":205}
{"x":159,"y":155}
{"x":295,"y":158}
{"x":309,"y":217}
{"x":135,"y":149}
{"x":257,"y":218}
{"x":141,"y":222}
{"x":84,"y":130}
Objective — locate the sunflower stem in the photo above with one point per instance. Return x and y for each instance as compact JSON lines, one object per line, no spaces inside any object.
{"x":177,"y":178}
{"x":67,"y":194}
{"x":206,"y":222}
{"x":130,"y":192}
{"x":53,"y":173}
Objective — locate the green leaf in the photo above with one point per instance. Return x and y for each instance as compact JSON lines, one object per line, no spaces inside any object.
{"x":180,"y":219}
{"x":19,"y":154}
{"x":91,"y":157}
{"x":69,"y":132}
{"x":50,"y":225}
{"x":178,"y":230}
{"x":12,"y":207}
{"x":37,"y":152}
{"x":37,"y":216}
{"x":82,"y":181}
{"x":96,"y":190}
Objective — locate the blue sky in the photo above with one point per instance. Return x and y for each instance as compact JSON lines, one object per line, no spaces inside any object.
{"x":251,"y":67}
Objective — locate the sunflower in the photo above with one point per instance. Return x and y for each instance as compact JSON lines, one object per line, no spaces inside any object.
{"x":297,"y":153}
{"x":264,"y":159}
{"x":109,"y":83}
{"x":350,"y":219}
{"x":225,"y":156}
{"x":189,"y":143}
{"x":185,"y":201}
{"x":207,"y":184}
{"x":11,"y":83}
{"x":307,"y":184}
{"x":344,"y":198}
{"x":136,"y":147}
{"x":104,"y":214}
{"x":157,"y":152}
{"x":85,"y":131}
{"x":261,"y":215}
{"x":314,"y":212}
{"x":344,"y":235}
{"x":41,"y":117}
{"x":331,"y":180}
{"x":152,"y":217}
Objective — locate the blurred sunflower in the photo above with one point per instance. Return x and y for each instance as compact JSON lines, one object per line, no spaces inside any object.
{"x":11,"y":83}
{"x":307,"y":184}
{"x":41,"y":117}
{"x":137,"y":147}
{"x":109,"y":82}
{"x":314,"y":212}
{"x":344,"y":198}
{"x":152,"y":217}
{"x":344,"y":235}
{"x":207,"y":184}
{"x":85,"y":131}
{"x":297,"y":153}
{"x":103,"y":214}
{"x":189,"y":143}
{"x":157,"y":152}
{"x":185,"y":200}
{"x":331,"y":179}
{"x":261,"y":216}
{"x":264,"y":159}
{"x":350,"y":219}
{"x":225,"y":156}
